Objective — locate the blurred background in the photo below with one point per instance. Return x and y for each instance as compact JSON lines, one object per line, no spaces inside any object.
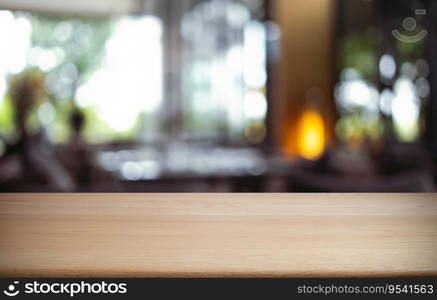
{"x":218,"y":96}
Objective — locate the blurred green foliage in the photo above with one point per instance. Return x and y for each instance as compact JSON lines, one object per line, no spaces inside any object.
{"x":358,"y":51}
{"x":7,"y":117}
{"x":79,"y":46}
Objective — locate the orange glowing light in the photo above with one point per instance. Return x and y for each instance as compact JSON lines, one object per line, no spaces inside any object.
{"x":311,"y":135}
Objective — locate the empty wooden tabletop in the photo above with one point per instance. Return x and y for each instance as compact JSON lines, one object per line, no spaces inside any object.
{"x":216,"y":235}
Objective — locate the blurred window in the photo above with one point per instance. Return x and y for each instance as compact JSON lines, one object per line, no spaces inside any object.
{"x":384,"y":82}
{"x":110,"y":67}
{"x":225,"y":72}
{"x":114,"y":68}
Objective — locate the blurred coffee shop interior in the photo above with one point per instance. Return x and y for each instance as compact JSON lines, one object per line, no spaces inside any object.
{"x":218,"y":96}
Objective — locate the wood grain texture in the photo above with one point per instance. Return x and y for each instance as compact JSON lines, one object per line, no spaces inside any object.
{"x":216,"y":235}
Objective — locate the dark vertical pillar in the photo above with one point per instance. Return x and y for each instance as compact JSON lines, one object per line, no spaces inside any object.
{"x":431,"y":115}
{"x":172,"y":12}
{"x":388,"y":19}
{"x":271,"y":142}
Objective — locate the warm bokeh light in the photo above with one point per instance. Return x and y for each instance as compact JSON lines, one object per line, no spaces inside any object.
{"x":311,"y":135}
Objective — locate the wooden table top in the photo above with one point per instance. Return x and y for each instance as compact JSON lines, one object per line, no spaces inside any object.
{"x":216,"y":235}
